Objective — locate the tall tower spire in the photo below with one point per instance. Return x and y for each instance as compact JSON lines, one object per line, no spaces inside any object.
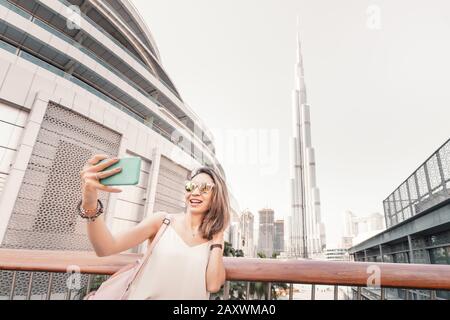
{"x":299,"y":71}
{"x":305,"y":234}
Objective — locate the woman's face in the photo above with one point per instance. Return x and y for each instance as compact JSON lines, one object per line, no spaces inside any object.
{"x":197,"y":201}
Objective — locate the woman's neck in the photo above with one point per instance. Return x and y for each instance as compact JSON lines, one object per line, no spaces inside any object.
{"x":193,"y":221}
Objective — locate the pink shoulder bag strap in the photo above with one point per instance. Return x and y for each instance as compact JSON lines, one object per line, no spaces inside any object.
{"x":165,"y":224}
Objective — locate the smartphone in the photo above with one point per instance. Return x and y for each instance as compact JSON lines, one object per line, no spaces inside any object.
{"x":131,"y":169}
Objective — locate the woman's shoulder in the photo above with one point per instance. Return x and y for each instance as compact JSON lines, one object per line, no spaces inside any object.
{"x":169,"y":215}
{"x":158,"y":218}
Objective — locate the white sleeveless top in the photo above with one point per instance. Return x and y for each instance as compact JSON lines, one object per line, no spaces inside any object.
{"x":174,"y":270}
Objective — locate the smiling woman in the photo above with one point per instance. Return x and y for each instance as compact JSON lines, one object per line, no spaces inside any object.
{"x":185,"y":260}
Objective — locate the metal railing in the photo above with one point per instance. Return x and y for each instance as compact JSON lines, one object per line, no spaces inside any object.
{"x":428,"y":186}
{"x":355,"y":276}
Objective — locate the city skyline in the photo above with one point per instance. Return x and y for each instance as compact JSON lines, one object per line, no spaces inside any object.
{"x":81,"y":82}
{"x":362,"y":81}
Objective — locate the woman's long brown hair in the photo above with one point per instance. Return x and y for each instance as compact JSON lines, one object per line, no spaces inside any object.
{"x":218,"y":216}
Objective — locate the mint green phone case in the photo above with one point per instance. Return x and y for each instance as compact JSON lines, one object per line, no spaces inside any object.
{"x":131,"y":169}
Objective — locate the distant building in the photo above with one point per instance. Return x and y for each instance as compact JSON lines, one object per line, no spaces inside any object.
{"x":336,"y":254}
{"x":346,"y":242}
{"x":278,"y":245}
{"x":323,"y":238}
{"x":357,"y":229}
{"x":288,"y":237}
{"x":247,"y":239}
{"x":266,"y":231}
{"x":235,"y":235}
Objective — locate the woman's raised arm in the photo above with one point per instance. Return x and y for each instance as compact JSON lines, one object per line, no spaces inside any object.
{"x":102,"y":240}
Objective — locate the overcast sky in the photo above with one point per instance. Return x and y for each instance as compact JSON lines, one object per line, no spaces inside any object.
{"x":377,"y":76}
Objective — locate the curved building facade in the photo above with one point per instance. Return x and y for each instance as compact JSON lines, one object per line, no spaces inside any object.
{"x":81,"y":77}
{"x":77,"y":78}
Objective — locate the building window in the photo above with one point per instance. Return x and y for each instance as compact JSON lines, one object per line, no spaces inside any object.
{"x":401,"y":257}
{"x":439,"y":239}
{"x":441,"y":256}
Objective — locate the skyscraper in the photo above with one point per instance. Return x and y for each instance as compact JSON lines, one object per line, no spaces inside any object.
{"x":247,"y":239}
{"x":306,"y":233}
{"x":266,"y":232}
{"x":278,"y":243}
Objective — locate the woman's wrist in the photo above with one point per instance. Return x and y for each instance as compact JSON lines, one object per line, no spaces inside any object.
{"x":89,"y":199}
{"x":88,"y":206}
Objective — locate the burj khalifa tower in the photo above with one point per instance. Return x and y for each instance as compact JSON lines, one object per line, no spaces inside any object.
{"x":306,"y":233}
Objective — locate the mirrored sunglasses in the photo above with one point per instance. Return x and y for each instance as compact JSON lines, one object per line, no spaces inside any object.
{"x":203,"y":187}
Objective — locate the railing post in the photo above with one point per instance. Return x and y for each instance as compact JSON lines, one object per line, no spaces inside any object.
{"x":13,"y":285}
{"x":336,"y":293}
{"x":427,"y":177}
{"x":69,"y":292}
{"x":226,"y":290}
{"x":291,"y":291}
{"x":269,"y":290}
{"x":410,"y":200}
{"x":411,"y":257}
{"x":30,"y":285}
{"x":441,"y":170}
{"x":381,"y":252}
{"x":69,"y":289}
{"x":247,"y":291}
{"x":358,"y":293}
{"x":432,"y":295}
{"x":49,"y":288}
{"x":383,"y":294}
{"x":416,"y":181}
{"x":313,"y":292}
{"x":88,"y":285}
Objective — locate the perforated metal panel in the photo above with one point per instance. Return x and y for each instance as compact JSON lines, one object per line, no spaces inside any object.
{"x":170,"y":187}
{"x":44,"y":215}
{"x":428,"y":186}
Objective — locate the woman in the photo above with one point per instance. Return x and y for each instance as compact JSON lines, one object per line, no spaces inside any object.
{"x":187,"y":261}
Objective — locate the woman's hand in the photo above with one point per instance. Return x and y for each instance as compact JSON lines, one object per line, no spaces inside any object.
{"x":90,"y":176}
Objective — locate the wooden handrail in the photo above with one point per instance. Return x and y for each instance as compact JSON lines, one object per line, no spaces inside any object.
{"x":400,"y":275}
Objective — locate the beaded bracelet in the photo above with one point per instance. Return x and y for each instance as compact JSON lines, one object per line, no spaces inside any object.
{"x":98,"y":211}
